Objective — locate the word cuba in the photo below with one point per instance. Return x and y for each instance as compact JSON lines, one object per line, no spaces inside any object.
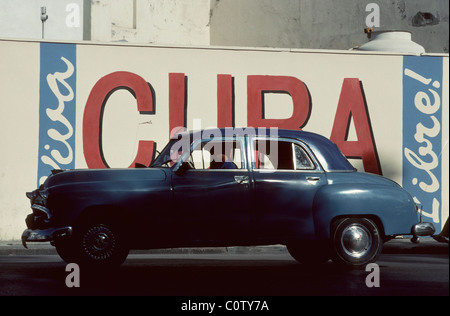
{"x":351,"y":107}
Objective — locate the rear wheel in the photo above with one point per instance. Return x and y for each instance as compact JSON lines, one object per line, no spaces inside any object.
{"x":356,"y":242}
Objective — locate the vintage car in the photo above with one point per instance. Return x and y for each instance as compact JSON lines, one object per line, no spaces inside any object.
{"x":226,"y":187}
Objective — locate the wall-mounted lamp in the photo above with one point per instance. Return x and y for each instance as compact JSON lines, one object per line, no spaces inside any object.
{"x":44,"y":18}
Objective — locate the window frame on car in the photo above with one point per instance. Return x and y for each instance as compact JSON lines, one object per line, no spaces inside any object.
{"x":315,"y":166}
{"x":221,"y":139}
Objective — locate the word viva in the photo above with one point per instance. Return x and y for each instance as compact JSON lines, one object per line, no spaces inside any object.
{"x":351,"y":105}
{"x":57,"y":108}
{"x":56,"y":116}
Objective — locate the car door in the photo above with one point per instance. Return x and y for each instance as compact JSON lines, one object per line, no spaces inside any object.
{"x":286,"y":178}
{"x":211,"y":194}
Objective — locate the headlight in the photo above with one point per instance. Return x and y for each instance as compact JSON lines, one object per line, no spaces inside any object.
{"x":30,"y":195}
{"x":44,"y":194}
{"x":40,"y":198}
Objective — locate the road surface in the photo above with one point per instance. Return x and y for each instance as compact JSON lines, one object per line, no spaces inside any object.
{"x":224,"y":274}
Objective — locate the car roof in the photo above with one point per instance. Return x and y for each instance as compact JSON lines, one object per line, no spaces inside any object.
{"x":328,"y":153}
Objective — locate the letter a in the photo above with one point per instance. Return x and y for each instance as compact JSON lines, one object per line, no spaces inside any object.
{"x":352,"y":104}
{"x":73,"y":18}
{"x":73,"y":278}
{"x":373,"y":19}
{"x":373,"y":278}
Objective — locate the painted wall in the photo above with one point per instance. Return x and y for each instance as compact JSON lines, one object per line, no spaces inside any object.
{"x":89,"y":105}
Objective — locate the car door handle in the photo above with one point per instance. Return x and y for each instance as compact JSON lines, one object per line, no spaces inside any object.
{"x":241,"y":179}
{"x":312,"y":180}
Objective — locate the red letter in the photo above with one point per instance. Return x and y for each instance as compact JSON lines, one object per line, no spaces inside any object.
{"x":93,"y":116}
{"x":258,"y":85}
{"x":352,"y":104}
{"x":225,"y":101}
{"x":177,"y":103}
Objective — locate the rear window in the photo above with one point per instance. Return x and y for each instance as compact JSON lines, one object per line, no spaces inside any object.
{"x":280,"y":155}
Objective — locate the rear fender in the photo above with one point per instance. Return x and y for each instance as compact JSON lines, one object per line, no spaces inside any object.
{"x":391,"y":206}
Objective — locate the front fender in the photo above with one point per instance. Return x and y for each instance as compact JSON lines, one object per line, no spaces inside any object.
{"x":72,"y":192}
{"x":392,"y":205}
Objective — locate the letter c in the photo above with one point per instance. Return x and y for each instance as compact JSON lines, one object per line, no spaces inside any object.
{"x":93,"y":116}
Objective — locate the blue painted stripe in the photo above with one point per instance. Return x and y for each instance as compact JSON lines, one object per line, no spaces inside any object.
{"x":422,"y":133}
{"x":57,"y":108}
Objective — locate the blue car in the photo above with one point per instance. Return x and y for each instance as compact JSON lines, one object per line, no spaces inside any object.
{"x":226,"y":187}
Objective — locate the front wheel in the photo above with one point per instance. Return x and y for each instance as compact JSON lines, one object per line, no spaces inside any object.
{"x":95,"y":245}
{"x":356,"y":242}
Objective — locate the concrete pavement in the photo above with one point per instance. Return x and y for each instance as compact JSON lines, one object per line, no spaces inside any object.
{"x":394,"y":246}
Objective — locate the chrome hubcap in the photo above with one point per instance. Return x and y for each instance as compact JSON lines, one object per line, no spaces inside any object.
{"x":99,"y":242}
{"x":356,"y":240}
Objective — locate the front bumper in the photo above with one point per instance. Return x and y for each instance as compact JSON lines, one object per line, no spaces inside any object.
{"x":42,"y":235}
{"x":423,"y":229}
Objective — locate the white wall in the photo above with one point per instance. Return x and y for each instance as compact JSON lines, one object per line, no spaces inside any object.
{"x":151,"y":21}
{"x":22,"y":19}
{"x":322,"y":72}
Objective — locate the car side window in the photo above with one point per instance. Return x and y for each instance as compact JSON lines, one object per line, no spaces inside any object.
{"x":280,"y":155}
{"x":217,"y":155}
{"x":302,"y":160}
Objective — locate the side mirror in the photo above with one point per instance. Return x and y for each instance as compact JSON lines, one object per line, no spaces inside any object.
{"x":183,"y":168}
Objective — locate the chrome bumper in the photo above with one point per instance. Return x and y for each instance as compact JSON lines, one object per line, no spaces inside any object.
{"x":423,"y":229}
{"x":41,"y":235}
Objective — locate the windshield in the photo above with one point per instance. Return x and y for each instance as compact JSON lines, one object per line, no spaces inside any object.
{"x":171,"y":154}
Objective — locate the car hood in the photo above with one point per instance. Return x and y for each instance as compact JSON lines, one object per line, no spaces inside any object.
{"x":77,"y":176}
